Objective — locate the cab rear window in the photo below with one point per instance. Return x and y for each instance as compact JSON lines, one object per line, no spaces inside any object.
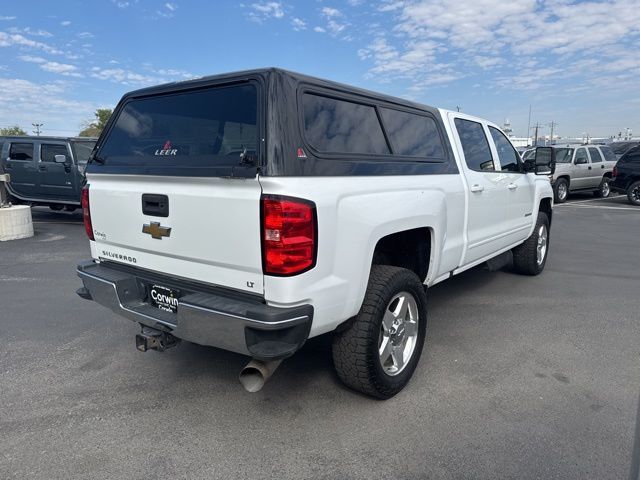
{"x":211,"y":127}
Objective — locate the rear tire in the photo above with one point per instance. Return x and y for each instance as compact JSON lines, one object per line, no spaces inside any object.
{"x":379,"y":349}
{"x":561,"y":190}
{"x":633,"y":193}
{"x":531,"y":257}
{"x":604,"y":190}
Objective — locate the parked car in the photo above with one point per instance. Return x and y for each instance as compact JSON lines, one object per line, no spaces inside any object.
{"x":586,"y":168}
{"x":45,"y":170}
{"x":620,"y":148}
{"x":214,"y":222}
{"x":626,"y":176}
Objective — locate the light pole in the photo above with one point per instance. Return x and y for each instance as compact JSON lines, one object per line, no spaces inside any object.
{"x":37,"y":128}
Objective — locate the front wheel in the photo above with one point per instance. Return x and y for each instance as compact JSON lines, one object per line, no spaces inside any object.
{"x":604,"y":190}
{"x":530,"y":257}
{"x":633,"y":193}
{"x":380,"y":348}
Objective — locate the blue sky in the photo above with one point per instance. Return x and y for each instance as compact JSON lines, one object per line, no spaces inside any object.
{"x":576,"y":63}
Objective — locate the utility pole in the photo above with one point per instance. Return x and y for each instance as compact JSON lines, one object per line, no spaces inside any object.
{"x":529,"y":124}
{"x":552,"y":125}
{"x":458,"y":108}
{"x":536,"y":127}
{"x":37,"y":128}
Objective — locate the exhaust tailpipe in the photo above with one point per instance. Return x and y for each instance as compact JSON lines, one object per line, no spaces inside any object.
{"x":256,"y":373}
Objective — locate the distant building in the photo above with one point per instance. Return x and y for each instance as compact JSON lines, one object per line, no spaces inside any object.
{"x":518,"y":142}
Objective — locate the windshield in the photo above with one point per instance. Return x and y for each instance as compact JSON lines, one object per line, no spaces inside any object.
{"x":529,"y":154}
{"x":201,"y":128}
{"x":81,"y":151}
{"x":564,"y":155}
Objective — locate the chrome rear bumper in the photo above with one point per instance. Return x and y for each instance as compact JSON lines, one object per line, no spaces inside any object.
{"x":207,"y":316}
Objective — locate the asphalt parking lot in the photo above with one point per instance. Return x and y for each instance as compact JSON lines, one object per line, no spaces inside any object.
{"x":520,"y":378}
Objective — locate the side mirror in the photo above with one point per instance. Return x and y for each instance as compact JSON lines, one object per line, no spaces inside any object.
{"x":60,"y":158}
{"x":543,"y":162}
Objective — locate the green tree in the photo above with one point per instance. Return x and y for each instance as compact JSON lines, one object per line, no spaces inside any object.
{"x":15,"y":130}
{"x":94,"y":128}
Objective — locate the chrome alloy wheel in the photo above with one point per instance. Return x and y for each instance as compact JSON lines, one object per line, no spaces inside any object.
{"x":605,"y":190}
{"x":398,"y":333}
{"x":635,"y":194}
{"x":562,"y":191}
{"x":541,"y":249}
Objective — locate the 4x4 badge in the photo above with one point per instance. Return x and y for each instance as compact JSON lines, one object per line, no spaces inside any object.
{"x":156,"y":230}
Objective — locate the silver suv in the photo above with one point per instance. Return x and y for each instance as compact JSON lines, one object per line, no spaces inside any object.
{"x":586,"y":168}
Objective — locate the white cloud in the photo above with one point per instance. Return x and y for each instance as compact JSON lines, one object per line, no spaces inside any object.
{"x":65,"y":23}
{"x":121,"y":3}
{"x":168,"y":11}
{"x":85,"y":35}
{"x":4,"y":17}
{"x":46,"y":102}
{"x":298,"y":24}
{"x":335,"y":22}
{"x":53,"y":67}
{"x":438,"y":41}
{"x":266,"y":10}
{"x":319,"y":29}
{"x":15,"y":39}
{"x":29,"y":31}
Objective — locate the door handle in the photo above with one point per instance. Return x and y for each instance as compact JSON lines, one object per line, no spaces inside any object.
{"x":512,"y":186}
{"x":42,"y":168}
{"x":477,"y":188}
{"x":589,"y":167}
{"x":601,"y":166}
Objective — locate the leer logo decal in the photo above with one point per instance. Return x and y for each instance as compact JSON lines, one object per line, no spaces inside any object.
{"x":166,"y":149}
{"x":156,"y":230}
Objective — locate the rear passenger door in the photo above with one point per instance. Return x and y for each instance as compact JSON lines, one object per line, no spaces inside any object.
{"x":487,"y":228}
{"x":20,"y":164}
{"x":519,"y":187}
{"x":597,"y":167}
{"x":56,"y":180}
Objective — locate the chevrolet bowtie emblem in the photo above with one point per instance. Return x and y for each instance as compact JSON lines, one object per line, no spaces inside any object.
{"x":156,"y":230}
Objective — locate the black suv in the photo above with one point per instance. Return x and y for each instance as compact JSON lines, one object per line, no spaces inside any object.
{"x":626,"y":175}
{"x":45,"y":170}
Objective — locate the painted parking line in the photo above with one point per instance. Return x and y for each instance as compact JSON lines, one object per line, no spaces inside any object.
{"x":635,"y":209}
{"x":597,"y":199}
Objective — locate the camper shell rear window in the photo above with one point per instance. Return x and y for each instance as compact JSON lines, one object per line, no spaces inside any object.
{"x":187,"y":131}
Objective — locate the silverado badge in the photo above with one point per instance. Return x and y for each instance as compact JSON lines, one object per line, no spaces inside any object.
{"x":156,"y":230}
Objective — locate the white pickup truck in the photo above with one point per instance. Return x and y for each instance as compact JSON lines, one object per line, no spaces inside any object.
{"x":254,"y":210}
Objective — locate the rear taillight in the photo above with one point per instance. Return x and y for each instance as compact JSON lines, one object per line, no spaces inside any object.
{"x":86,"y":212}
{"x":289,"y":235}
{"x":615,"y":171}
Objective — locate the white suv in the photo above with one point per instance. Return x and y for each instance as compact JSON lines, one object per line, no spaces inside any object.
{"x":254,"y":210}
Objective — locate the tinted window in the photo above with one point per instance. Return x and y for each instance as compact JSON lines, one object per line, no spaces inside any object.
{"x":529,"y":154}
{"x":632,"y":156}
{"x":82,"y":150}
{"x":581,"y":154}
{"x":21,"y":151}
{"x":620,"y":147}
{"x":48,"y":152}
{"x":475,"y":145}
{"x":595,"y":155}
{"x":202,"y":128}
{"x":332,"y":125}
{"x":507,"y":155}
{"x":412,"y":135}
{"x":564,"y":155}
{"x":609,"y":156}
